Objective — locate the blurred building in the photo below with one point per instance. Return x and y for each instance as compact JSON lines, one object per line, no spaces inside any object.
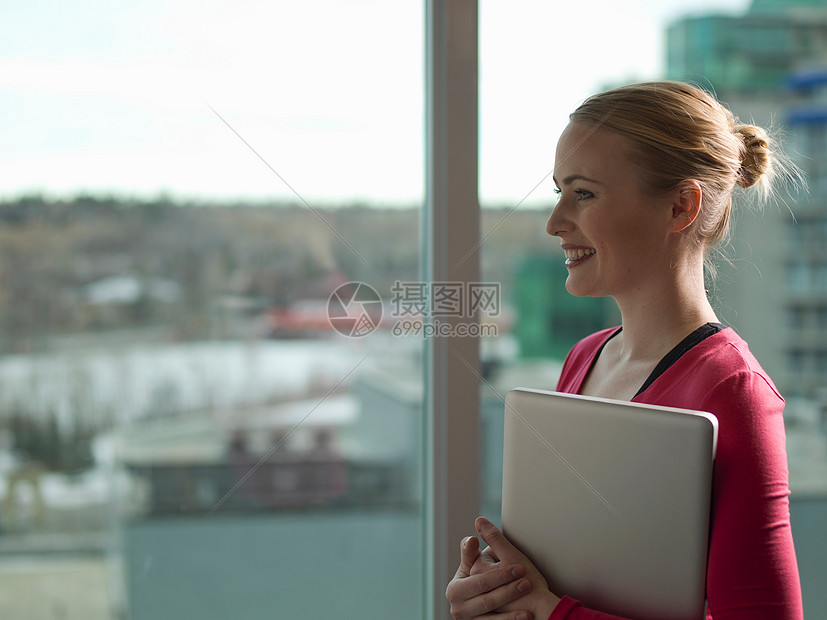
{"x":747,"y":60}
{"x":550,"y":320}
{"x":806,"y":295}
{"x":751,"y":53}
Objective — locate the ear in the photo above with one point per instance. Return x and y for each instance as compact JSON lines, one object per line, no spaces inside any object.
{"x":686,"y":205}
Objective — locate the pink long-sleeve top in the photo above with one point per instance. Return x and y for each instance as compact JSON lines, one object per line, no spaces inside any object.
{"x":752,"y":572}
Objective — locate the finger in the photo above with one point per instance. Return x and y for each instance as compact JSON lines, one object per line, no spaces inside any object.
{"x":500,"y":545}
{"x":488,"y":555}
{"x":487,"y":592}
{"x":469,"y":550}
{"x":485,"y":561}
{"x":465,"y":588}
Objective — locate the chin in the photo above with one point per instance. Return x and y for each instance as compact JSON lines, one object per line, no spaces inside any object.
{"x":578,"y":290}
{"x":583,"y":290}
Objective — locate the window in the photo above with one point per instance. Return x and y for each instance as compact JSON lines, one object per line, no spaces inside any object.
{"x":197,"y":406}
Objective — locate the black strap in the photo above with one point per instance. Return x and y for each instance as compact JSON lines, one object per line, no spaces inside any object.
{"x":695,"y":338}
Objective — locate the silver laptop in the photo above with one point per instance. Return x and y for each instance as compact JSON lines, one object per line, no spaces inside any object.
{"x":611,"y":500}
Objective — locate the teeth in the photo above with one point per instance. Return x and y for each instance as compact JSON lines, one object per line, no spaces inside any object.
{"x":575,"y":254}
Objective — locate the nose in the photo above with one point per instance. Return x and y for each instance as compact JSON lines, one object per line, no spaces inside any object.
{"x":558,"y":224}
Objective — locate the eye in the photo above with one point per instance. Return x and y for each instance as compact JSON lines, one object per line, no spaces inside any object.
{"x":581,"y":194}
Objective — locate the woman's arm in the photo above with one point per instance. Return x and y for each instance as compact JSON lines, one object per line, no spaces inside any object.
{"x":752,"y":570}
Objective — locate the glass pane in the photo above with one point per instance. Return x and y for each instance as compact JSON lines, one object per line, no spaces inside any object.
{"x":205,"y":412}
{"x":773,"y":290}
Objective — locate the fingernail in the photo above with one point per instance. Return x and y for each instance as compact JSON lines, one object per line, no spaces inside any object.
{"x":483,"y":523}
{"x":517,"y":572}
{"x":524,"y":586}
{"x":522,"y":615}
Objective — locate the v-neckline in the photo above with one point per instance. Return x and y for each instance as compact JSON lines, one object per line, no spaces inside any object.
{"x":696,"y":337}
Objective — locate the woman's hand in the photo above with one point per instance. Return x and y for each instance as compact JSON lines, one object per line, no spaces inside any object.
{"x":478,"y":595}
{"x":501,"y":580}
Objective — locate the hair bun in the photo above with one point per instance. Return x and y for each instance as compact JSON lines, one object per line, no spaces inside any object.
{"x":756,"y":157}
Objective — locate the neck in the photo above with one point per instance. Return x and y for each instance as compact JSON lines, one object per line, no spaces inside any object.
{"x":656,"y":320}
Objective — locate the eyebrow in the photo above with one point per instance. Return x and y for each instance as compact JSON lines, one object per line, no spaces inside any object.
{"x":576,"y":177}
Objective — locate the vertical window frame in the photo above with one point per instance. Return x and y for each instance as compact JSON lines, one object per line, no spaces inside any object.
{"x":451,"y":236}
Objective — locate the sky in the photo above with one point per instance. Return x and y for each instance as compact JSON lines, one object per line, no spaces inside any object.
{"x":213,"y":100}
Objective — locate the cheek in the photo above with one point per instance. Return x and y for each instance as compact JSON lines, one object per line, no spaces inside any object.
{"x":618,"y":236}
{"x":604,"y":235}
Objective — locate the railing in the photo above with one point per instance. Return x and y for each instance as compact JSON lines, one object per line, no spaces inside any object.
{"x":285,"y":484}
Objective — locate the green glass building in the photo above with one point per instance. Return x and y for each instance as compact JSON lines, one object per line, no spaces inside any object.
{"x":551,"y":320}
{"x":753,"y":53}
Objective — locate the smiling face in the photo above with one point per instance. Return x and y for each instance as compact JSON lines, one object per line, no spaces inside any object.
{"x":617,"y":238}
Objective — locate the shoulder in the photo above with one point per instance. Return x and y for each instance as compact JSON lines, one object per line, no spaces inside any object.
{"x":719,"y":375}
{"x":725,"y":360}
{"x":729,"y":382}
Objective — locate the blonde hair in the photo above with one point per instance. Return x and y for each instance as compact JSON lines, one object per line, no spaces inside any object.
{"x":681,"y":132}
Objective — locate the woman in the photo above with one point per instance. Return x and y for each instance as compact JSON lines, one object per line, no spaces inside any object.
{"x":645,"y":175}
